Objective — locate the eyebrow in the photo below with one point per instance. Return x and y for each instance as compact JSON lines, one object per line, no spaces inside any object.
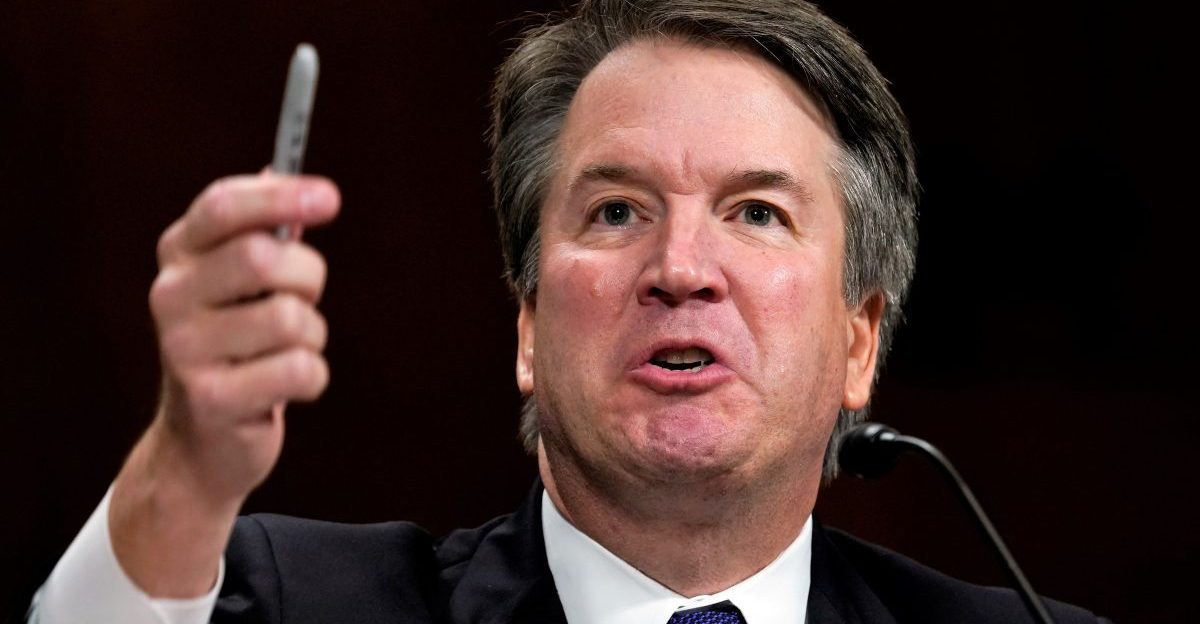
{"x":606,"y":172}
{"x":773,"y":179}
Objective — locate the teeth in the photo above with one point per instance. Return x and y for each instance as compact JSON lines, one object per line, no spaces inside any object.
{"x":681,"y":356}
{"x":692,"y":358}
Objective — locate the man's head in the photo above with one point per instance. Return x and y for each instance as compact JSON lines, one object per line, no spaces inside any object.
{"x":869,"y":165}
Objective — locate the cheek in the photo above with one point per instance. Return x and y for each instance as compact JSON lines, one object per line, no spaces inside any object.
{"x":581,"y":300}
{"x":779,"y":296}
{"x":581,"y":297}
{"x":795,"y":308}
{"x":801,"y":332}
{"x":582,"y":284}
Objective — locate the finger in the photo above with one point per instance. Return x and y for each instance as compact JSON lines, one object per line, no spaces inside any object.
{"x":238,"y":270}
{"x":237,"y":333}
{"x":170,"y":244}
{"x":256,"y":263}
{"x":236,"y":204}
{"x":249,"y":389}
{"x":286,"y":231}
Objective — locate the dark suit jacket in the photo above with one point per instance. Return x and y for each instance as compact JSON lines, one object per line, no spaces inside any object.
{"x":288,"y":570}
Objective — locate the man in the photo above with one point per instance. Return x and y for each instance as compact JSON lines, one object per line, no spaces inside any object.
{"x":707,"y":212}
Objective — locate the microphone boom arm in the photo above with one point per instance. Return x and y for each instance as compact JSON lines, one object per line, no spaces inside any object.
{"x":871,"y":449}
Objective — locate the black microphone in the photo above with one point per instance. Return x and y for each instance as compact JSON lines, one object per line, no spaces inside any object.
{"x":871,"y":450}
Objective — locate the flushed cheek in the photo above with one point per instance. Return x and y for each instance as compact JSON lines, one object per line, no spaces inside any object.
{"x":584,"y":283}
{"x":779,"y":294}
{"x":791,"y":309}
{"x":580,"y":313}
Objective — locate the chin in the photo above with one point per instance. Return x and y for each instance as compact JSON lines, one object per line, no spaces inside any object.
{"x":688,"y":445}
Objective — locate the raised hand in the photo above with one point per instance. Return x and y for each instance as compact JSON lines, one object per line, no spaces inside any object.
{"x":240,"y":335}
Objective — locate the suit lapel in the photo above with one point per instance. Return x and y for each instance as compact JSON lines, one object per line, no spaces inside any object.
{"x":508,"y":579}
{"x":837,"y":594}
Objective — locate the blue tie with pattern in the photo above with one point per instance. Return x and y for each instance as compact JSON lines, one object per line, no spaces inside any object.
{"x":720,"y":613}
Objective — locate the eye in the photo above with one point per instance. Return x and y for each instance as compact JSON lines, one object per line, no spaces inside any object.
{"x":759,"y":214}
{"x":616,"y":212}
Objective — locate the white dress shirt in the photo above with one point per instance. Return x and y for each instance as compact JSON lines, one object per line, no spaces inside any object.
{"x":597,"y":587}
{"x":594,"y":586}
{"x":88,"y":585}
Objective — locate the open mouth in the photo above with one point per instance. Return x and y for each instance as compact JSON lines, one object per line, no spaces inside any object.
{"x":691,"y":359}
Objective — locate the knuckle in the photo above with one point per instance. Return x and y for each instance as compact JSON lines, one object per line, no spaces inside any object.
{"x":214,"y":188}
{"x":259,"y":256}
{"x":295,"y":367}
{"x":317,"y":379}
{"x":166,"y":292}
{"x":316,"y":272}
{"x":305,"y":373}
{"x":178,"y":346}
{"x":288,"y":317}
{"x":210,"y":194}
{"x":322,"y":377}
{"x":320,"y":331}
{"x":206,"y":395}
{"x":320,"y":266}
{"x":216,"y":204}
{"x":168,"y":243}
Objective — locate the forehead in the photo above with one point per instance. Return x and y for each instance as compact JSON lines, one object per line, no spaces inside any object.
{"x":691,"y":111}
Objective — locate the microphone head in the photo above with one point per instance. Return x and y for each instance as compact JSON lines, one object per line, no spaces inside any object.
{"x":869,"y":450}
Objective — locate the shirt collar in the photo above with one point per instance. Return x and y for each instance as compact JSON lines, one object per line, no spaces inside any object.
{"x":597,"y":587}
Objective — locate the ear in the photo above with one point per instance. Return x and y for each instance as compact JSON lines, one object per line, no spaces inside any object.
{"x":862,"y":336}
{"x":525,"y":325}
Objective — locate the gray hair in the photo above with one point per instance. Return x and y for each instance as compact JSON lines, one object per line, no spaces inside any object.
{"x":874,"y":168}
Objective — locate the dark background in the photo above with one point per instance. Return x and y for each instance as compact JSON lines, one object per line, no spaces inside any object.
{"x":1048,"y":349}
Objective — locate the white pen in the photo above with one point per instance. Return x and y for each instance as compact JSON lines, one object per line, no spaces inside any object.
{"x":292,"y":134}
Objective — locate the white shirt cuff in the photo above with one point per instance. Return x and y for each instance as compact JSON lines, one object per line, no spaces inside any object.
{"x":88,"y":585}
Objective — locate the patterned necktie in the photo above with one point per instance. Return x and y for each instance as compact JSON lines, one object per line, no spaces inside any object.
{"x":720,"y":613}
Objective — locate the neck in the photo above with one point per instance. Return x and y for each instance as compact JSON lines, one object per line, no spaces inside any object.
{"x":694,"y":539}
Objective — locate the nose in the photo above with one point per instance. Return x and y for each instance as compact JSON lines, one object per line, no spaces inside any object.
{"x":684,"y":263}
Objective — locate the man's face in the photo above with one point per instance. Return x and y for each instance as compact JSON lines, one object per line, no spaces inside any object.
{"x":689,"y":323}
